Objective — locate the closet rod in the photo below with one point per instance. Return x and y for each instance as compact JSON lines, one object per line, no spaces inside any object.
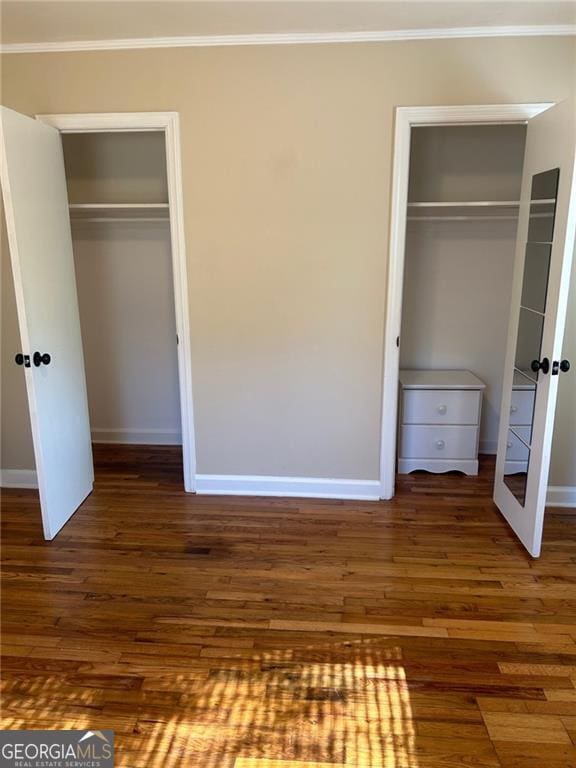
{"x":476,"y":203}
{"x":463,"y":204}
{"x":461,"y":218}
{"x":109,"y":219}
{"x":116,"y":206}
{"x":477,"y":218}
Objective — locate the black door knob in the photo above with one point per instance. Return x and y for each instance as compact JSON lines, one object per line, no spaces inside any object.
{"x":22,"y":360}
{"x":38,"y":359}
{"x":540,"y":365}
{"x":565,"y":366}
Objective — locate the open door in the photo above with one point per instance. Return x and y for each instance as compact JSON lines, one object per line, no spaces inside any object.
{"x":37,"y":220}
{"x":544,"y":250}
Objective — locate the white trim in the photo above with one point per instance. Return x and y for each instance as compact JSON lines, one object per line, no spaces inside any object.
{"x":18,"y":478}
{"x":169,"y":123}
{"x":137,"y":436}
{"x":180,"y":271}
{"x":94,"y":122}
{"x":561,"y":496}
{"x":405,"y":118}
{"x":267,"y":485}
{"x":292,"y":38}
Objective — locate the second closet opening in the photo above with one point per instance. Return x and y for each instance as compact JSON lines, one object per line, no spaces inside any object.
{"x":464,"y":189}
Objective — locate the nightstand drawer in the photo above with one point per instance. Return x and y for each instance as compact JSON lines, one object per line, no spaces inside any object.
{"x":522,"y":406}
{"x":440,"y":406}
{"x":438,"y":442}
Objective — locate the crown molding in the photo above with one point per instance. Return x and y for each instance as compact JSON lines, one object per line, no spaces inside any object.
{"x":289,"y":38}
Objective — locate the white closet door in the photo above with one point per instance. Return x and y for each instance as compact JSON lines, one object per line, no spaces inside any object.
{"x":38,"y":224}
{"x":544,"y":248}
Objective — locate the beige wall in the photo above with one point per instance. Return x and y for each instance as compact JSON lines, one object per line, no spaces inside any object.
{"x":286,"y":156}
{"x":116,"y":167}
{"x":126,"y":303}
{"x":466,"y":162}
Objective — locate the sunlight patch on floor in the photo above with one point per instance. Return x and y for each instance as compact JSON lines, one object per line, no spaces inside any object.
{"x":269,"y":711}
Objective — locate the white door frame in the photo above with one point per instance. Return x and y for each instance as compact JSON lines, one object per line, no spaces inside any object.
{"x":169,"y":123}
{"x":405,"y":119}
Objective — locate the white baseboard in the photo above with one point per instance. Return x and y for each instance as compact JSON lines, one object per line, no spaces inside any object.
{"x":18,"y":478}
{"x":267,"y":485}
{"x":137,"y":436}
{"x":488,"y":446}
{"x":561,"y":496}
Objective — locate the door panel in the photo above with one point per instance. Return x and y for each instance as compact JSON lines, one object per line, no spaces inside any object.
{"x":544,"y":248}
{"x":37,"y":220}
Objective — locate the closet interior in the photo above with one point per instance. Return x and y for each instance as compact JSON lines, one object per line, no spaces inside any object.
{"x":120,"y":220}
{"x":464,"y":188}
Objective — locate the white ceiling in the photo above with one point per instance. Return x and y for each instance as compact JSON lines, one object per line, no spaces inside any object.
{"x":45,"y":21}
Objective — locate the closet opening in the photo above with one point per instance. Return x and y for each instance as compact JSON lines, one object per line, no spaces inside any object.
{"x":124,"y":195}
{"x":431,"y":416}
{"x":461,"y":217}
{"x":462,"y":211}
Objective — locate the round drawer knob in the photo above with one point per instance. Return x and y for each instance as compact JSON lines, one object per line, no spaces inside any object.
{"x":440,"y":444}
{"x":508,"y":445}
{"x":442,"y":409}
{"x":513,"y":408}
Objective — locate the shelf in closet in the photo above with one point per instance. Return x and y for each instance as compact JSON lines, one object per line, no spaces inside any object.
{"x":469,"y":210}
{"x":124,"y":212}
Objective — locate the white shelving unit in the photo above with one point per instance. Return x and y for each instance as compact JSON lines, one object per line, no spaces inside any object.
{"x":123,"y":212}
{"x":468,"y":210}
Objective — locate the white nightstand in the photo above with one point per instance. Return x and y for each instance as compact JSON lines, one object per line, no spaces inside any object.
{"x":439,"y":423}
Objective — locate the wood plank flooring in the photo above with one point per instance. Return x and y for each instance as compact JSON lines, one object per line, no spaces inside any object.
{"x":274,"y":633}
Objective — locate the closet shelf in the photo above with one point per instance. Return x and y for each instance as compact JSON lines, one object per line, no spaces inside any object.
{"x":465,"y":210}
{"x":102,"y":212}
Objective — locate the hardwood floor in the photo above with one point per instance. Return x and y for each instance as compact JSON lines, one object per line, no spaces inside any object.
{"x":273,"y":633}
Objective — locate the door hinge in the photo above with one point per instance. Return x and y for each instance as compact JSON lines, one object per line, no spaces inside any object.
{"x":398,"y":341}
{"x":177,"y":340}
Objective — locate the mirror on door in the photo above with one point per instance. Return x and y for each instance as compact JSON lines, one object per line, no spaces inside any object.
{"x":528,"y":362}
